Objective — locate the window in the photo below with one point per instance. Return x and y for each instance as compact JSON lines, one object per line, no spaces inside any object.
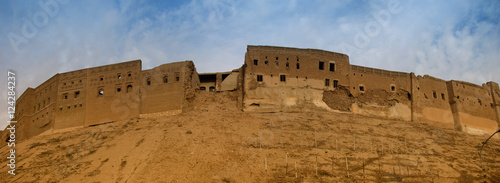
{"x":434,"y":94}
{"x":442,"y":96}
{"x":283,"y":78}
{"x":77,"y":93}
{"x":332,"y":66}
{"x":129,"y":88}
{"x":259,"y":78}
{"x":165,"y":79}
{"x":321,"y":65}
{"x":266,"y":62}
{"x":287,"y":65}
{"x":277,"y":58}
{"x":119,"y":76}
{"x":211,"y":89}
{"x":393,"y":88}
{"x":148,"y":81}
{"x":335,"y":83}
{"x":101,"y":78}
{"x":118,"y":89}
{"x":327,"y":82}
{"x":361,"y":88}
{"x":255,"y":62}
{"x":100,"y":91}
{"x":129,"y":74}
{"x":177,"y":78}
{"x":203,"y":88}
{"x":298,"y":66}
{"x":277,"y":64}
{"x":65,"y":96}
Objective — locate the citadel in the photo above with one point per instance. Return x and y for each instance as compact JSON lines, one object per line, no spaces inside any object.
{"x":272,"y":79}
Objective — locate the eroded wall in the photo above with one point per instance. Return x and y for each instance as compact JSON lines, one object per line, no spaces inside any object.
{"x":431,"y":100}
{"x":271,"y":70}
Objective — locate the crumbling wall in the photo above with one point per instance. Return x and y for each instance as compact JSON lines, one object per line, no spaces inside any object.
{"x":472,"y":107}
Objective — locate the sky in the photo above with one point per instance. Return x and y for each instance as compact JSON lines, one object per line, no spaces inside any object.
{"x":457,"y":39}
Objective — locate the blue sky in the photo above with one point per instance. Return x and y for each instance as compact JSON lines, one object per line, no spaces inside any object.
{"x":457,"y":40}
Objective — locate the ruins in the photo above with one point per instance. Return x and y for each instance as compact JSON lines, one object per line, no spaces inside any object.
{"x":272,"y":79}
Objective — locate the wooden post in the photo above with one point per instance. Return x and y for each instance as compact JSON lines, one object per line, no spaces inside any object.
{"x":265,"y":163}
{"x":347,"y":166}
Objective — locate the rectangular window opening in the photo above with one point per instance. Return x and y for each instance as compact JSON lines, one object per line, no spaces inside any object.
{"x":283,"y":78}
{"x":327,"y":82}
{"x":255,"y":62}
{"x":335,"y":83}
{"x":259,"y":78}
{"x":321,"y":65}
{"x":332,"y":66}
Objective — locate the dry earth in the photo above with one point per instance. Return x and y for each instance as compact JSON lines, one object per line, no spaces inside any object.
{"x":216,"y":142}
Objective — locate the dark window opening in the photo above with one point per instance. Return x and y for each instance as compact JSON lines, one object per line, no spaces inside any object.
{"x":129,"y":74}
{"x":148,"y":81}
{"x":165,"y":79}
{"x":327,"y":82}
{"x":119,"y":76}
{"x":64,"y":83}
{"x":361,"y":88}
{"x":277,"y":64}
{"x":177,"y":78}
{"x":434,"y":94}
{"x":332,"y":67}
{"x":321,"y":65}
{"x":77,"y":93}
{"x":203,"y":88}
{"x":335,"y":83}
{"x":65,"y":96}
{"x":283,"y":78}
{"x":255,"y":62}
{"x":393,"y":88}
{"x":129,"y":88}
{"x":101,"y":78}
{"x":287,"y":58}
{"x":266,"y":62}
{"x":100,"y":91}
{"x":287,"y":65}
{"x":298,"y":66}
{"x":211,"y":89}
{"x":259,"y":78}
{"x":277,"y":58}
{"x":118,"y":89}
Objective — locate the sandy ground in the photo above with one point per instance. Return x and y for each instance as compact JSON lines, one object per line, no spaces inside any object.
{"x":216,"y":142}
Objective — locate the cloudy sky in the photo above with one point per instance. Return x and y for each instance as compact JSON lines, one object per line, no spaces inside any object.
{"x":447,"y":39}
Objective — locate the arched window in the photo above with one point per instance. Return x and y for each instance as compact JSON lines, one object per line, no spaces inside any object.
{"x":211,"y":89}
{"x":165,"y":79}
{"x":129,"y":88}
{"x":100,"y":91}
{"x":203,"y":88}
{"x":148,"y":81}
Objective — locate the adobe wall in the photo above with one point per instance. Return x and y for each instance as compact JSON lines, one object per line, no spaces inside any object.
{"x":380,"y":92}
{"x":473,"y":107}
{"x":167,"y":88}
{"x":431,"y":100}
{"x":495,"y":96}
{"x":119,"y":100}
{"x":71,"y":100}
{"x":291,"y":68}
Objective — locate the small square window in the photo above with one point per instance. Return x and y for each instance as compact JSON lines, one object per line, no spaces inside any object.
{"x":362,"y":88}
{"x":321,"y":65}
{"x":332,"y":66}
{"x":259,"y":78}
{"x":255,"y":62}
{"x":77,"y":93}
{"x":119,"y":76}
{"x":283,"y":78}
{"x":118,"y":89}
{"x":287,"y":65}
{"x":393,"y":88}
{"x":266,"y":62}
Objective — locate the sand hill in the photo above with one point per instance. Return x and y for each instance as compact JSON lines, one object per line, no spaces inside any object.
{"x":217,"y":142}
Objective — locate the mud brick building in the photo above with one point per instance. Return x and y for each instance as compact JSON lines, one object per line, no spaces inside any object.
{"x":271,"y":79}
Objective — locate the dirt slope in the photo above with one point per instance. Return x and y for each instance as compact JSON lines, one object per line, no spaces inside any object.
{"x":216,"y":142}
